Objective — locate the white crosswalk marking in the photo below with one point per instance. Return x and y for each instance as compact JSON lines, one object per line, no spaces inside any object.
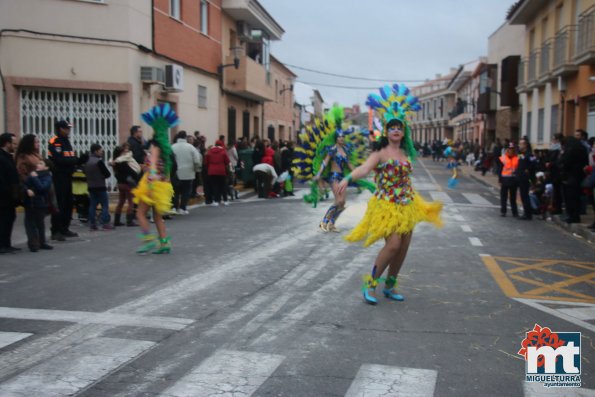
{"x":475,"y":198}
{"x":382,"y":380}
{"x":227,"y":373}
{"x":8,"y":338}
{"x":95,"y":318}
{"x":75,"y":368}
{"x":475,"y":242}
{"x":441,"y":196}
{"x":466,"y":228}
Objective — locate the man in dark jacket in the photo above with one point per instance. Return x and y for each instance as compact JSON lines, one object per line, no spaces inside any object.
{"x":9,"y":191}
{"x":64,"y":161}
{"x":572,"y":163}
{"x":97,"y":172}
{"x":137,"y":144}
{"x":526,"y":173}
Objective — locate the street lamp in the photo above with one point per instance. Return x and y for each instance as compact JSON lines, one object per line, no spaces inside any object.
{"x":237,"y":53}
{"x":290,"y":88}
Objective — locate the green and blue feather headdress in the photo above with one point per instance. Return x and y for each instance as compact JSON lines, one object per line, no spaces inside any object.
{"x":161,"y":118}
{"x":395,"y":103}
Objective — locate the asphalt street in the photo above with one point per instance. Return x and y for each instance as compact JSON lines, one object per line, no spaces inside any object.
{"x":255,"y":300}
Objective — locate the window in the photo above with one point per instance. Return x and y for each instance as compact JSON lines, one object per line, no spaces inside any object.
{"x":540,"y":125}
{"x":174,"y":8}
{"x":554,"y":123}
{"x":204,"y":16}
{"x":528,"y":132}
{"x":202,"y":97}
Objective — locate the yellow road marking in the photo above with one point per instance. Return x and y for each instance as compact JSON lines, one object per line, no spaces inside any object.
{"x":506,"y":277}
{"x":500,"y":277}
{"x":562,"y":284}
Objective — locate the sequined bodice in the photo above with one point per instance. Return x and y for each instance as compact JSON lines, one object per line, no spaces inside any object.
{"x":341,"y":159}
{"x":393,"y":182}
{"x":160,"y":168}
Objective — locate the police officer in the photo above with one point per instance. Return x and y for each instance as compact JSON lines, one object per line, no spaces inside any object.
{"x":62,"y":155}
{"x":508,"y":178}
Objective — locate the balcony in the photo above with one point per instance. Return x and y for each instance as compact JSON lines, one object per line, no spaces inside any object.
{"x":545,"y":66}
{"x":248,"y":81}
{"x":532,"y":69}
{"x":585,"y":48}
{"x":522,"y":83}
{"x":487,"y":102}
{"x":564,"y":52}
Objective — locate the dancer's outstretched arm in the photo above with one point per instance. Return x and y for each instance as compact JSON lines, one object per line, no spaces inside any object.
{"x":361,"y":171}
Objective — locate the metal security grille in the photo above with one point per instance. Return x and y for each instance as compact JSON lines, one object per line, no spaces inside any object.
{"x":93,"y":114}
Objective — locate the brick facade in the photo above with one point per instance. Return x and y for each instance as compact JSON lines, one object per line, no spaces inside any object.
{"x":182,"y":39}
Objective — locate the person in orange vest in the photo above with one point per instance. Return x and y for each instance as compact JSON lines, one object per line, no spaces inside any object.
{"x":508,"y":179}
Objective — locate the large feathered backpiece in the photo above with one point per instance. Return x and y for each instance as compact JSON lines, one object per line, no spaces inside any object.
{"x":161,"y":118}
{"x":395,"y":102}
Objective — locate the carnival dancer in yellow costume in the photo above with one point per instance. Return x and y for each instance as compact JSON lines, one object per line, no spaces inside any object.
{"x":154,"y":189}
{"x":395,"y":208}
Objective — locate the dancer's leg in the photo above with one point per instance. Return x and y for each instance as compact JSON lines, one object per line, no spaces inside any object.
{"x":389,"y":251}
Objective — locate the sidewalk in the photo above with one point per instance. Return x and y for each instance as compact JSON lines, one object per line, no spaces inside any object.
{"x":580,"y":230}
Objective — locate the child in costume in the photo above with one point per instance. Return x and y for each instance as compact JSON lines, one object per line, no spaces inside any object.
{"x":154,"y":189}
{"x":395,"y":208}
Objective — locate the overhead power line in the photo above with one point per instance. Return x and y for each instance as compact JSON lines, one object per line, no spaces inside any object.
{"x":372,"y":79}
{"x":338,"y":86}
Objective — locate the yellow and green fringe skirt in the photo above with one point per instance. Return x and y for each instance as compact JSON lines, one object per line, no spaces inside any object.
{"x":158,"y":196}
{"x":384,"y":218}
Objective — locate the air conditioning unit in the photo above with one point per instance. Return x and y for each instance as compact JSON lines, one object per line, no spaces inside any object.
{"x":152,"y":75}
{"x":244,"y":31}
{"x":174,"y":78}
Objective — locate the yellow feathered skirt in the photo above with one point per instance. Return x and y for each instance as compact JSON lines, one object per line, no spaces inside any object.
{"x":384,"y":218}
{"x":158,"y":196}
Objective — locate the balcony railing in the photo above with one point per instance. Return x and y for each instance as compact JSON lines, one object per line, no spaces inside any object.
{"x":521,"y":74}
{"x":532,"y":68}
{"x":564,"y":51}
{"x":544,"y":60}
{"x":585,"y":48}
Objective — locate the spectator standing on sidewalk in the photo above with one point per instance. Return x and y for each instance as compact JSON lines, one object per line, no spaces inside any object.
{"x":217,"y":163}
{"x":37,"y":188}
{"x":137,"y":144}
{"x":36,"y":200}
{"x":526,"y":173}
{"x":572,"y":161}
{"x":64,"y":162}
{"x":508,"y":179}
{"x":127,"y":172}
{"x":97,"y":173}
{"x":553,"y":167}
{"x":9,"y":191}
{"x":189,"y":162}
{"x":234,"y":161}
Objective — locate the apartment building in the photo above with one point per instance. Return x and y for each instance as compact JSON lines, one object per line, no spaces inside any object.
{"x":437,"y":100}
{"x":187,"y":41}
{"x":278,"y":114}
{"x":101,"y":63}
{"x":498,"y":99}
{"x":245,"y":71}
{"x":557,"y":69}
{"x":465,"y":120}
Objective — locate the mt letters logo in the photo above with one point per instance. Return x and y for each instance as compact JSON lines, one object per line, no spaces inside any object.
{"x":552,"y":358}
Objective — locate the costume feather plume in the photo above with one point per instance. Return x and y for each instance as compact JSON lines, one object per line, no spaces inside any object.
{"x":396,"y":102}
{"x":161,"y":118}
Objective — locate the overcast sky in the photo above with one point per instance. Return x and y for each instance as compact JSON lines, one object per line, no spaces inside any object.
{"x":389,"y":39}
